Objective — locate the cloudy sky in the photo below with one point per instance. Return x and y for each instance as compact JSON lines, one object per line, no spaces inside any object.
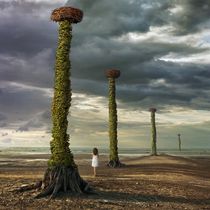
{"x":161,"y":47}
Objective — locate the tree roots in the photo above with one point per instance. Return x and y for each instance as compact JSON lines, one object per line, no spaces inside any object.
{"x":59,"y":179}
{"x":115,"y":164}
{"x":63,"y":179}
{"x":23,"y":188}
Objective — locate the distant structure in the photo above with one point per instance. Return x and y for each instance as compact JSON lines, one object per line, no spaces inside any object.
{"x":153,"y":133}
{"x":180,"y":143}
{"x":112,"y":75}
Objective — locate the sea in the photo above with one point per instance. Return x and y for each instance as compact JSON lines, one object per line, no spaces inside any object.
{"x":105,"y":151}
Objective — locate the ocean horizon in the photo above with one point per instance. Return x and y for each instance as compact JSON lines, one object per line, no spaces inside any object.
{"x":105,"y":151}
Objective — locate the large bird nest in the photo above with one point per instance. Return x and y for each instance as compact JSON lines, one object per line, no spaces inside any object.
{"x":71,"y":14}
{"x":112,"y":73}
{"x":152,"y":109}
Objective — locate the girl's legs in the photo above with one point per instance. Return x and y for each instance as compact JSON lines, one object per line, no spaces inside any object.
{"x":94,"y":171}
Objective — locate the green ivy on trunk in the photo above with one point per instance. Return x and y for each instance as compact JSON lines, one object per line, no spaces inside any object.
{"x":60,"y":152}
{"x":180,"y":142}
{"x":154,"y":135}
{"x":113,"y":122}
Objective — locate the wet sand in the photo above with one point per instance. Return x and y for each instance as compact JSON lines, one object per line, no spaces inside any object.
{"x":162,"y":182}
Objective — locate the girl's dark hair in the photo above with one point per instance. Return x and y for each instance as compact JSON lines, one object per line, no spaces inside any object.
{"x":95,"y":151}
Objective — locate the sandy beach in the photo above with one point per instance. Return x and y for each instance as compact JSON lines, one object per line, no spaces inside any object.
{"x":148,"y":182}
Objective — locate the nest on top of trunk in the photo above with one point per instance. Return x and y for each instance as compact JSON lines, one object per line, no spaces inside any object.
{"x":71,"y":14}
{"x":152,"y":109}
{"x":113,"y":73}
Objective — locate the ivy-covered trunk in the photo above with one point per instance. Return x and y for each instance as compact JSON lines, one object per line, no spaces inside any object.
{"x":62,"y":173}
{"x":112,"y":74}
{"x":60,"y":152}
{"x":113,"y":156}
{"x":180,"y":143}
{"x":154,"y":135}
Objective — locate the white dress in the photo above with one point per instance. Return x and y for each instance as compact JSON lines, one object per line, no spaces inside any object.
{"x":95,"y":161}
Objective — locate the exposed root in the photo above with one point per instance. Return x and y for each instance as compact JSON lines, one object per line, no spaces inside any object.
{"x":115,"y":164}
{"x":58,"y":179}
{"x":23,"y":188}
{"x":63,"y":179}
{"x":154,"y":154}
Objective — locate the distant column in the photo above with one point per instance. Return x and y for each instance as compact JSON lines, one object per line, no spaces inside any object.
{"x":179,"y":140}
{"x":153,"y":134}
{"x":112,"y":75}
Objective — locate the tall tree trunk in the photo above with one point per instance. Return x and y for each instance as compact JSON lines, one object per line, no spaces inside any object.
{"x":179,"y":139}
{"x":60,"y":152}
{"x":113,"y":156}
{"x":154,"y":135}
{"x":62,"y":173}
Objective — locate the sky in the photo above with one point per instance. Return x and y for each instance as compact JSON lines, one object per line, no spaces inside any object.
{"x":161,"y":47}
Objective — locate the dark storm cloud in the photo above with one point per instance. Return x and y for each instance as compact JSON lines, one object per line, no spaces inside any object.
{"x":36,"y":70}
{"x":122,"y":16}
{"x":22,"y":105}
{"x":90,"y":86}
{"x":2,"y":117}
{"x":139,"y":86}
{"x":107,"y":18}
{"x":3,"y":124}
{"x":23,"y":30}
{"x":37,"y":122}
{"x":194,"y":14}
{"x":3,"y":120}
{"x":128,"y":57}
{"x":168,"y":84}
{"x":96,"y":45}
{"x":28,"y":40}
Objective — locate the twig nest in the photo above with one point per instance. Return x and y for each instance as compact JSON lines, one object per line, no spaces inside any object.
{"x":152,"y":110}
{"x":113,"y":73}
{"x":71,"y":14}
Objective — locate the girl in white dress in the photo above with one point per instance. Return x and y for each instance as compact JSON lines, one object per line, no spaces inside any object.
{"x":95,"y":161}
